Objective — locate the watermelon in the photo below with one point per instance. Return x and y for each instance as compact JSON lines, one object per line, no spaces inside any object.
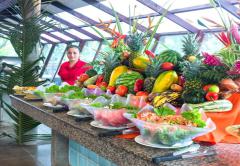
{"x":170,"y":56}
{"x":128,"y":79}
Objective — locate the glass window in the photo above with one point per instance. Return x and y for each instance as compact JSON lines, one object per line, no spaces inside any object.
{"x":54,"y":22}
{"x":170,"y":42}
{"x":54,"y":61}
{"x":70,"y":18}
{"x":105,"y":34}
{"x":65,"y":15}
{"x":179,"y":4}
{"x":62,"y":36}
{"x":89,"y":51}
{"x":94,"y":13}
{"x":124,"y":26}
{"x":11,"y":21}
{"x":45,"y":51}
{"x":105,"y":47}
{"x":6,"y":48}
{"x":210,"y":43}
{"x":77,"y":33}
{"x":211,"y":14}
{"x":49,"y":38}
{"x":165,"y":26}
{"x":43,"y":41}
{"x":122,"y":6}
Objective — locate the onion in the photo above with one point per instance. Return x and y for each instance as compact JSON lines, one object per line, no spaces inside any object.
{"x":228,"y":84}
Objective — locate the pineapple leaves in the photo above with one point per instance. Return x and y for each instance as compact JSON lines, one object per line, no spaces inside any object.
{"x":117,"y":20}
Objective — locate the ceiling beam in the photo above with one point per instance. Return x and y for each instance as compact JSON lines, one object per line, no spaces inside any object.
{"x":72,"y":26}
{"x":229,"y":7}
{"x":76,"y":14}
{"x":61,"y":31}
{"x":6,"y":4}
{"x":152,"y":5}
{"x":47,"y":33}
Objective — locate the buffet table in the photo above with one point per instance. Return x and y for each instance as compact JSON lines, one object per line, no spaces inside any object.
{"x":117,"y":151}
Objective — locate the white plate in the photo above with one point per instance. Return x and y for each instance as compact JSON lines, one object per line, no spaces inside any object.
{"x":141,"y":141}
{"x":49,"y":105}
{"x":101,"y":126}
{"x":78,"y":115}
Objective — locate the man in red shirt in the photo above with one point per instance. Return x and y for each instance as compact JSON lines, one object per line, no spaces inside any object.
{"x":69,"y":71}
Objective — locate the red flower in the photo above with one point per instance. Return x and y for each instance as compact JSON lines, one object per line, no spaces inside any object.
{"x":235,"y":34}
{"x":224,"y":38}
{"x":211,"y":60}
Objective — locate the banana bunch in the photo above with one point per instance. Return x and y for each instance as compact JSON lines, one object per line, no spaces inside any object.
{"x":165,"y":97}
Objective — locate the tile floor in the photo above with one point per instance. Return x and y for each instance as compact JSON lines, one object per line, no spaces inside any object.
{"x":34,"y":154}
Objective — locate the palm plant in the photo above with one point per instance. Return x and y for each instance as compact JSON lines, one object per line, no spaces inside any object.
{"x":24,"y":38}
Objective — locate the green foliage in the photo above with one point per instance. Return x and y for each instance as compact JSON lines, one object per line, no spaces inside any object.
{"x":75,"y":95}
{"x":23,"y":124}
{"x":164,"y":111}
{"x":191,"y":45}
{"x":24,"y":38}
{"x":195,"y":117}
{"x":213,"y":74}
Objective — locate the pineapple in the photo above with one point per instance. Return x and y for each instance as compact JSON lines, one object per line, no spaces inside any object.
{"x":135,"y":42}
{"x":191,"y":46}
{"x":193,"y":84}
{"x":111,"y":61}
{"x":151,"y":72}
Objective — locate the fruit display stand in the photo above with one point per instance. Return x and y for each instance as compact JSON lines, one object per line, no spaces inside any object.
{"x":72,"y":139}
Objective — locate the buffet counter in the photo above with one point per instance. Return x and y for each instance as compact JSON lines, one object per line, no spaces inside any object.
{"x":117,"y":151}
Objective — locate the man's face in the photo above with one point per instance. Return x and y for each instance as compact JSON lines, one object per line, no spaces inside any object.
{"x":73,"y":54}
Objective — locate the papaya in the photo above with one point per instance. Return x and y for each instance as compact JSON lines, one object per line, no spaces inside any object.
{"x":90,"y":81}
{"x":165,"y":80}
{"x":116,"y":73}
{"x":141,"y":62}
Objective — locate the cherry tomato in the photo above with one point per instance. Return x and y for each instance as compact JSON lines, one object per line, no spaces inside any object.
{"x":121,"y":90}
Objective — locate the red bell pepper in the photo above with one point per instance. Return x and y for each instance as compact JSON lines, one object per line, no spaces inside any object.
{"x":99,"y":79}
{"x":150,"y":53}
{"x":138,"y":85}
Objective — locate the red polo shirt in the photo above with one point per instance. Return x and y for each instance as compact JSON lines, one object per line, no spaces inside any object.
{"x":70,"y":75}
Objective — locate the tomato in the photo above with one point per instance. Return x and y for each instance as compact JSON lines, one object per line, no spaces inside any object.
{"x":206,"y":87}
{"x":83,"y":77}
{"x":142,"y":93}
{"x":167,"y":66}
{"x":111,"y":89}
{"x":211,"y":96}
{"x":121,"y":90}
{"x":99,"y":79}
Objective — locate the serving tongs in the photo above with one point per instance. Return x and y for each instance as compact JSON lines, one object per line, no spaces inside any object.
{"x":188,"y":152}
{"x":118,"y":132}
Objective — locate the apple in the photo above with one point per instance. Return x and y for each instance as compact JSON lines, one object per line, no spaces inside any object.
{"x":214,"y":88}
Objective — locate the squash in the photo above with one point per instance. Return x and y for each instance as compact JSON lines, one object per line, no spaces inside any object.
{"x":116,"y":73}
{"x":141,"y":62}
{"x":165,"y":80}
{"x":213,"y":106}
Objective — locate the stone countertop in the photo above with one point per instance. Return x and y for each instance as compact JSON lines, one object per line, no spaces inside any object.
{"x":121,"y":151}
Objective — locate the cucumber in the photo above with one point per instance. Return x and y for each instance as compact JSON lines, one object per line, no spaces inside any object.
{"x":214,"y":106}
